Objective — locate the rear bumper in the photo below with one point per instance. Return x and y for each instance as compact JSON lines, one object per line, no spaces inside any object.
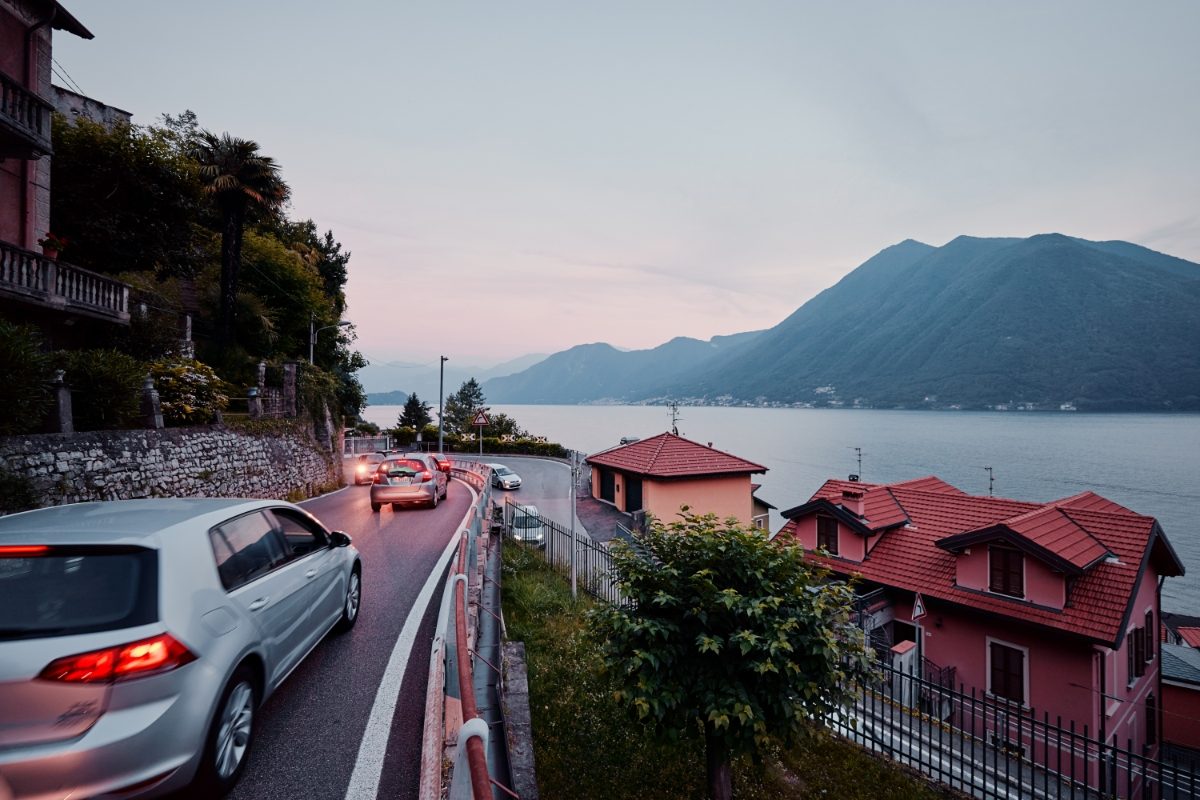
{"x":403,"y":494}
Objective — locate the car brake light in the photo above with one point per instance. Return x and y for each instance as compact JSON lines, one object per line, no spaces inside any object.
{"x":22,"y":550}
{"x":426,"y":476}
{"x":157,"y":654}
{"x":379,"y":477}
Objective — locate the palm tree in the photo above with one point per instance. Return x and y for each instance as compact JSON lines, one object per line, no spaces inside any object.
{"x":240,"y":179}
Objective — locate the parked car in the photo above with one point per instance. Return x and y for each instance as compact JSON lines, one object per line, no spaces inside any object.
{"x":443,"y":462}
{"x":527,"y":526}
{"x":140,"y":637}
{"x":365,"y":466}
{"x":504,"y":478}
{"x":411,"y":479}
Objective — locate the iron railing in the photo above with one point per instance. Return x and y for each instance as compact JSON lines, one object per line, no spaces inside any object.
{"x":62,"y":286}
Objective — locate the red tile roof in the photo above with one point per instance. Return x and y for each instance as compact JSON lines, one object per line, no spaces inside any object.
{"x":1190,"y":636}
{"x":671,"y":456}
{"x":909,"y":557}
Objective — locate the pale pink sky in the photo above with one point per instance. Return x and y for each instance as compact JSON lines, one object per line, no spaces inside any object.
{"x":523,"y":177}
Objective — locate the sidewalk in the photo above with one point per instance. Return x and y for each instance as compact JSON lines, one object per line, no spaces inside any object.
{"x":600,"y":519}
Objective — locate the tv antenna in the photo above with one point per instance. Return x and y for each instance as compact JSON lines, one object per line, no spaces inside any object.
{"x":674,"y":417}
{"x":858,"y":453}
{"x":991,"y":480}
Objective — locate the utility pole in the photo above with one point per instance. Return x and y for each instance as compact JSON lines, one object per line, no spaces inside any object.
{"x":991,"y":480}
{"x":441,"y":403}
{"x":574,"y":539}
{"x":312,"y":336}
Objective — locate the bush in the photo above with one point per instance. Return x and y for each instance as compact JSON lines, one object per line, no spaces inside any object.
{"x":24,"y":393}
{"x":105,"y":387}
{"x":189,"y":390}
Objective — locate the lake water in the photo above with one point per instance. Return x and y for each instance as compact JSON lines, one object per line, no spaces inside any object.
{"x":1147,"y":462}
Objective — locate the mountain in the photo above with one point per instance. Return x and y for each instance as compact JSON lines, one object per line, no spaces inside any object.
{"x":424,"y":379}
{"x":393,"y":398}
{"x":1044,"y":320}
{"x":591,"y":372}
{"x":977,"y":322}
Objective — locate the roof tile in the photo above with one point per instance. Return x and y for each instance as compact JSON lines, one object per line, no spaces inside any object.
{"x":671,"y":456}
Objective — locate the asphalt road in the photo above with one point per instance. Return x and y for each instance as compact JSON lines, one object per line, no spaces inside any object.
{"x":309,"y":732}
{"x":545,"y":483}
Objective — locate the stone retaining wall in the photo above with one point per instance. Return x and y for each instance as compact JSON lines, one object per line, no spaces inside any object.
{"x":174,"y":462}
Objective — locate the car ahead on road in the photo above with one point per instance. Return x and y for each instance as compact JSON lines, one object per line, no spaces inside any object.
{"x":443,"y":462}
{"x":504,"y":478}
{"x":140,"y":637}
{"x":365,"y":466}
{"x":527,"y":526}
{"x":411,"y":479}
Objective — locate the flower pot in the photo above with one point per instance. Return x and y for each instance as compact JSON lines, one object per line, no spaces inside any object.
{"x":50,"y":252}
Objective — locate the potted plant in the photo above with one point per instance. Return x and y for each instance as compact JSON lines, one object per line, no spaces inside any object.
{"x":52,"y":244}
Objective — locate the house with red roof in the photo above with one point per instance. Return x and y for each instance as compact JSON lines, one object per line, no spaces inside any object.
{"x":1045,"y":607}
{"x":662,"y":473}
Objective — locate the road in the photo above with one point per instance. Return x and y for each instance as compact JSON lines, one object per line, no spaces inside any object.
{"x":310,"y":732}
{"x":545,"y":483}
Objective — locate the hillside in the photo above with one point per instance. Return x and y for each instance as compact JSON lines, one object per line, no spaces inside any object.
{"x":977,"y":322}
{"x":393,"y":398}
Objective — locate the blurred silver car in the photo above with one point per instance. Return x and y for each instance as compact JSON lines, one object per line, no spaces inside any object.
{"x":527,"y":526}
{"x":139,"y":638}
{"x":504,"y":478}
{"x":365,"y":466}
{"x":412,"y":478}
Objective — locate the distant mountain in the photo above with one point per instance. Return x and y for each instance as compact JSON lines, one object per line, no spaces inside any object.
{"x":592,"y":372}
{"x":424,"y":379}
{"x":394,"y":398}
{"x":1043,"y":321}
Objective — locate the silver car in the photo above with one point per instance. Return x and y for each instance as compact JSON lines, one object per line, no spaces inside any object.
{"x":527,"y":526}
{"x":504,"y":478}
{"x":412,"y":478}
{"x":138,"y":638}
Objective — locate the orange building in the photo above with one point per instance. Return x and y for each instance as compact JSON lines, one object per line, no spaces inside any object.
{"x":660,"y":474}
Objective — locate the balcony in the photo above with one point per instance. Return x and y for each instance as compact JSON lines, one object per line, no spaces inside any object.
{"x":24,"y":121}
{"x":33,"y":278}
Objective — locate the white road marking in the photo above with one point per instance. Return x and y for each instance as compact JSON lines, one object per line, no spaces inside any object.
{"x":372,"y":751}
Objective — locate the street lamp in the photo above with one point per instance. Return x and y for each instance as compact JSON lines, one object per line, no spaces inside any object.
{"x":313,"y":330}
{"x":441,"y":405}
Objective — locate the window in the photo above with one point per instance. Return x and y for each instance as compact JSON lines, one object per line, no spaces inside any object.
{"x":1151,"y":720}
{"x":1007,"y":571}
{"x":827,"y":534}
{"x":1136,"y":651}
{"x":302,"y":535}
{"x":1006,"y":677}
{"x":1151,"y":635}
{"x":245,"y":548}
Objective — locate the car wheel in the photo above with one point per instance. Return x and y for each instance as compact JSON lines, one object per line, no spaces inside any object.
{"x":434,"y":502}
{"x":352,"y":601}
{"x":375,"y":507}
{"x":231,"y":735}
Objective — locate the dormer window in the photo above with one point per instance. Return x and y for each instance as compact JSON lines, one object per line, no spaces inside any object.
{"x":1007,"y":571}
{"x":827,"y":534}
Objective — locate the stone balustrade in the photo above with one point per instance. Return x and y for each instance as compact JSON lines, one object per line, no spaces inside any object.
{"x":57,"y":285}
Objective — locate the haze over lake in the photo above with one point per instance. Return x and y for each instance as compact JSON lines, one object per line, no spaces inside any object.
{"x":1147,"y":462}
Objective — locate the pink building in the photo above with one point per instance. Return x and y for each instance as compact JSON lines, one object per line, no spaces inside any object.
{"x":1052,"y":608}
{"x":660,"y":474}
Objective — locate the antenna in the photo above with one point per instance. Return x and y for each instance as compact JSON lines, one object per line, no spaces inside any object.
{"x":674,"y":417}
{"x":991,"y":480}
{"x":858,"y":454}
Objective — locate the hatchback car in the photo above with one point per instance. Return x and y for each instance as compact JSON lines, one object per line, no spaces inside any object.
{"x":140,"y":638}
{"x":411,"y":479}
{"x":527,"y":526}
{"x":504,"y":478}
{"x":365,"y":466}
{"x":443,"y":462}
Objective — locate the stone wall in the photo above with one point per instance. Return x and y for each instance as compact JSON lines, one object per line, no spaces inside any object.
{"x":173,"y":462}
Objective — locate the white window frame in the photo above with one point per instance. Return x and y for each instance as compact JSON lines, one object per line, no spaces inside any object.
{"x":987,"y":657}
{"x":1024,"y":595}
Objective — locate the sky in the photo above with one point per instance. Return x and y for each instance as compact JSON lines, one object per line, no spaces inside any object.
{"x":521,"y":177}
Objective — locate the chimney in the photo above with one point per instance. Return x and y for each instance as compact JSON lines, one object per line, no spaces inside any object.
{"x":852,"y":501}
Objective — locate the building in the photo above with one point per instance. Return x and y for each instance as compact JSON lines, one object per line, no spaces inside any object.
{"x":1181,"y":629}
{"x":1181,"y":695}
{"x":34,"y":285}
{"x":760,"y":514}
{"x":660,"y":474}
{"x":1050,"y":608}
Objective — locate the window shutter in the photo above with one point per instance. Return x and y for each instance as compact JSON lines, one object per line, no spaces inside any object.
{"x":1016,"y":675}
{"x":996,"y":581}
{"x":1130,"y":657}
{"x":1151,"y":636}
{"x":1016,"y":570}
{"x":1151,"y":721}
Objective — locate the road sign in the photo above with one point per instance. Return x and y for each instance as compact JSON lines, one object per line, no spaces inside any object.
{"x":470,"y":437}
{"x":540,"y":439}
{"x":481,"y":418}
{"x":918,"y":610}
{"x":508,"y":437}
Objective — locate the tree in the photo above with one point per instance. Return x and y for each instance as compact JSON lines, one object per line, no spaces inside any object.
{"x":727,"y":633}
{"x":416,"y":414}
{"x":462,"y":405}
{"x":241,"y":180}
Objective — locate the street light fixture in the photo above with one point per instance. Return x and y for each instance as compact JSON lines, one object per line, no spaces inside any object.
{"x":441,"y":403}
{"x":313,"y":330}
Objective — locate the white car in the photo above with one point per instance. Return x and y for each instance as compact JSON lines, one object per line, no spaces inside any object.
{"x":527,"y":526}
{"x":504,"y":478}
{"x":139,"y":638}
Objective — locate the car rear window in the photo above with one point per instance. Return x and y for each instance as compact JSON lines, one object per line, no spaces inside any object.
{"x":402,"y":467}
{"x":62,"y":591}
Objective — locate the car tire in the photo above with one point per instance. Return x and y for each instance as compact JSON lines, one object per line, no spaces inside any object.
{"x":230,"y":736}
{"x":375,"y":507}
{"x":433,"y":503}
{"x":352,"y":603}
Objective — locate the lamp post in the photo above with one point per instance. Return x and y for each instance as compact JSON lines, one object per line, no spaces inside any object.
{"x":313,"y":330}
{"x":441,"y":404}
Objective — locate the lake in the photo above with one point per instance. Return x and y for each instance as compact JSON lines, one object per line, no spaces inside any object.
{"x":1147,"y":462}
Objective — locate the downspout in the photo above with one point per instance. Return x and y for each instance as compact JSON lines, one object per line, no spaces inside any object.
{"x":30,"y":76}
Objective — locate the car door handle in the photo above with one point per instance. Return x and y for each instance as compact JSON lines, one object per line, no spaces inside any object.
{"x":312,"y":573}
{"x":259,"y":603}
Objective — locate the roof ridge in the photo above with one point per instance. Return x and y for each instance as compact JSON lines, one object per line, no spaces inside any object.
{"x":665,"y":437}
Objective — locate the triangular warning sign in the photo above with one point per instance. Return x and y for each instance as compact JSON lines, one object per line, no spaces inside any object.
{"x":918,"y":607}
{"x":481,"y":418}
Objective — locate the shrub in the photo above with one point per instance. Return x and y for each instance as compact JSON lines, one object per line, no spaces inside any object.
{"x":189,"y":391}
{"x":24,"y":393}
{"x":105,"y":387}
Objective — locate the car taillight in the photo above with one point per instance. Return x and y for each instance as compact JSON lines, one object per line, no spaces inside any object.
{"x":380,"y":478}
{"x":23,"y":550}
{"x":426,"y":476}
{"x":157,"y":654}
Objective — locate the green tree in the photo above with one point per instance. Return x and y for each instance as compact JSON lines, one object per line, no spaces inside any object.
{"x":242,"y":180}
{"x":729,"y":634}
{"x":24,"y":392}
{"x":462,"y":405}
{"x":416,"y":414}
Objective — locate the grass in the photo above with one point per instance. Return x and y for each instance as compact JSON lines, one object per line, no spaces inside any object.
{"x":587,"y":746}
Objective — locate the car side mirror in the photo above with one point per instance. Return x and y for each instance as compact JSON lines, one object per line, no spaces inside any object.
{"x":340,"y":539}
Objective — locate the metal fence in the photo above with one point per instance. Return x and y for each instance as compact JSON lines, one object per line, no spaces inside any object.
{"x":989,"y":748}
{"x":593,"y":562}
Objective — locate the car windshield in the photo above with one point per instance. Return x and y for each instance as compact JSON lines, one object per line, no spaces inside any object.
{"x":401,"y":468}
{"x":504,"y":471}
{"x":58,"y":591}
{"x":527,"y":521}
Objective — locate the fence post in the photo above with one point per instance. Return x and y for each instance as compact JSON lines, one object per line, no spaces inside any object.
{"x":151,"y":407}
{"x":62,"y":421}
